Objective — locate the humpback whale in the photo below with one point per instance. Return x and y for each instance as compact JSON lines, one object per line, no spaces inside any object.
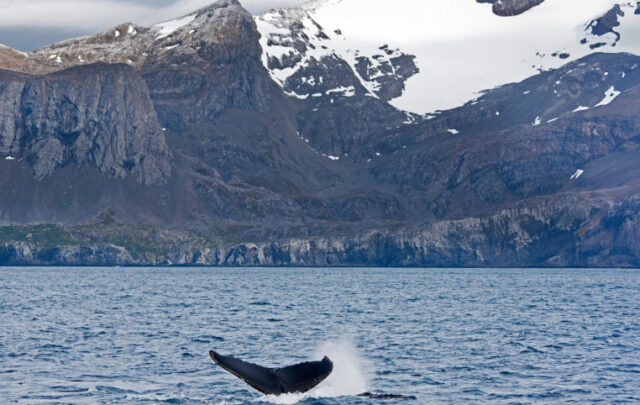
{"x":298,"y":378}
{"x":277,"y":381}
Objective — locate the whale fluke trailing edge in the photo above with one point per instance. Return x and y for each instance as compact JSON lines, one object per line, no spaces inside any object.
{"x":277,"y":381}
{"x":298,"y":378}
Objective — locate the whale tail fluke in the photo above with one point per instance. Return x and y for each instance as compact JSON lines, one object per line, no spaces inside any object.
{"x":292,"y":379}
{"x":305,"y":376}
{"x":298,"y":378}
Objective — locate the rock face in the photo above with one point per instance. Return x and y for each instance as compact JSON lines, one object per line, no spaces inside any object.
{"x":185,"y":143}
{"x":99,"y":115}
{"x":606,"y":24}
{"x":214,"y":65}
{"x":509,"y":8}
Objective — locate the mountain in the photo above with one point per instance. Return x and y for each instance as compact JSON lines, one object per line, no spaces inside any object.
{"x":440,"y":40}
{"x":337,"y":133}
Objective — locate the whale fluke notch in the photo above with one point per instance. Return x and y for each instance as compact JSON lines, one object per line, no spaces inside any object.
{"x":277,"y":381}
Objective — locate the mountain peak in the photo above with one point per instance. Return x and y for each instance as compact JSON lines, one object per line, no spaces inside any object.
{"x":218,"y":5}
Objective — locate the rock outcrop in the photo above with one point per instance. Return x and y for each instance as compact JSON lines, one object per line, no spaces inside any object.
{"x":509,"y":8}
{"x":604,"y":25}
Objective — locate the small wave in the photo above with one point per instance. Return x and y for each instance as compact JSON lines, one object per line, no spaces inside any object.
{"x":69,"y":389}
{"x":115,"y":390}
{"x":531,"y":349}
{"x":161,"y":398}
{"x":430,"y":381}
{"x":91,"y":335}
{"x":207,"y":339}
{"x":260,"y":303}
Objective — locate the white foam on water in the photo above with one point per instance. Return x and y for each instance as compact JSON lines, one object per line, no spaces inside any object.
{"x":349,"y":376}
{"x":287,"y":399}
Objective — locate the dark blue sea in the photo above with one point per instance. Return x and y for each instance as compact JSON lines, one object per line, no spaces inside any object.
{"x":446,"y":336}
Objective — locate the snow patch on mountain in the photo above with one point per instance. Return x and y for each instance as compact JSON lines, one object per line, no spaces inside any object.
{"x":610,"y":95}
{"x":577,"y":174}
{"x":344,"y":91}
{"x":169,"y":27}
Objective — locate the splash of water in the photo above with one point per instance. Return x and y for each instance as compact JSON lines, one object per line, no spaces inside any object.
{"x":349,"y":376}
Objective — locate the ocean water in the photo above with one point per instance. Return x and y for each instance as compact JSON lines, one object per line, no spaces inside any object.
{"x":141,"y":336}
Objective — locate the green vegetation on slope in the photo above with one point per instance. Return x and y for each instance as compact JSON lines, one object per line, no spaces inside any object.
{"x":44,"y":236}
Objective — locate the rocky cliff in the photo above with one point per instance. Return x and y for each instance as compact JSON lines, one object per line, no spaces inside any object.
{"x":99,"y":115}
{"x":585,"y":230}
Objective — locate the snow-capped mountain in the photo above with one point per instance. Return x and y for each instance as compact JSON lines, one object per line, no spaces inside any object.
{"x":420,"y":56}
{"x":433,"y":55}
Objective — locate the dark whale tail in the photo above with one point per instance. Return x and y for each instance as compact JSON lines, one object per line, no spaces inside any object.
{"x":277,"y":381}
{"x":298,"y":378}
